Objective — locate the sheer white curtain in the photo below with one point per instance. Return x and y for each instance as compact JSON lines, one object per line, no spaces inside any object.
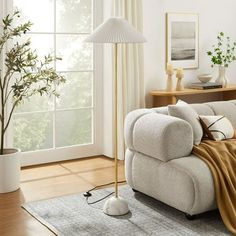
{"x":130,"y":68}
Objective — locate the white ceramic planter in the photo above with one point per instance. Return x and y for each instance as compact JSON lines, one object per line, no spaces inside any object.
{"x":10,"y":170}
{"x":222,"y":78}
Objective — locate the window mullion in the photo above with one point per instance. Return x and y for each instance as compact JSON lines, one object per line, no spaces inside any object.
{"x":54,"y":98}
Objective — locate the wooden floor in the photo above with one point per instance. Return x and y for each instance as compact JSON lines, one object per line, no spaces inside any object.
{"x":48,"y":181}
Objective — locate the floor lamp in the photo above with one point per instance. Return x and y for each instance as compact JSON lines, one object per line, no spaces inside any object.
{"x":116,"y":31}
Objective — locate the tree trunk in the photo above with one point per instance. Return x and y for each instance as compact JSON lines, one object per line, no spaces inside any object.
{"x":2,"y":139}
{"x":2,"y":122}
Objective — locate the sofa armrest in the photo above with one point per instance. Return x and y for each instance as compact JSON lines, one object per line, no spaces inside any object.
{"x":160,"y":136}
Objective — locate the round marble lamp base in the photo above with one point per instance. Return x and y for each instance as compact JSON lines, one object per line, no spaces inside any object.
{"x":116,"y":206}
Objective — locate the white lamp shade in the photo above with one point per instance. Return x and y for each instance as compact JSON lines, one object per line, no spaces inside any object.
{"x":116,"y":30}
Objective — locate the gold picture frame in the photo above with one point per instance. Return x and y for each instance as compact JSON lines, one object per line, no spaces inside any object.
{"x":182,"y":40}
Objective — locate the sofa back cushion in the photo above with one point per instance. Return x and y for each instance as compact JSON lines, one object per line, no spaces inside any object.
{"x":224,"y":108}
{"x":203,"y":109}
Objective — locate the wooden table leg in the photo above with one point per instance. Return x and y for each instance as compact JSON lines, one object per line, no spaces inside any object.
{"x":173,"y":100}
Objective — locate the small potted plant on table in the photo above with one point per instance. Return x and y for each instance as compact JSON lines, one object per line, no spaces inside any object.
{"x":22,"y":75}
{"x":223,"y":54}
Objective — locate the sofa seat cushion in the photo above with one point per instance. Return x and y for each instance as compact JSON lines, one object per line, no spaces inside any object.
{"x":184,"y":183}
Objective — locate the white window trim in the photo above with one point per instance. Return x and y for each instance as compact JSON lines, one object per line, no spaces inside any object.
{"x":73,"y":152}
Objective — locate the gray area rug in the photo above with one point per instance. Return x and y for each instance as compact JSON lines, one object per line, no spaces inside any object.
{"x":72,"y":216}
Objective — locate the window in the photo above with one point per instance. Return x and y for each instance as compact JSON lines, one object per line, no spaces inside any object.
{"x":70,"y":122}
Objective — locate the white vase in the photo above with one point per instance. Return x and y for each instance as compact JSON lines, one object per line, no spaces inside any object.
{"x":222,"y":78}
{"x":10,"y":170}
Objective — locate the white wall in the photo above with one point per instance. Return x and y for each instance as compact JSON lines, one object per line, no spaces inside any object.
{"x":214,"y":16}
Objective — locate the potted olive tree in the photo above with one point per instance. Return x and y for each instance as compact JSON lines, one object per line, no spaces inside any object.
{"x":22,"y":75}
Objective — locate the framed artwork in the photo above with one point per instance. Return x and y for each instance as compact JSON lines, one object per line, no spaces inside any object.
{"x":182,"y":40}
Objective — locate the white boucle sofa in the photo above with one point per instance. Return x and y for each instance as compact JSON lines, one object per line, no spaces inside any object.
{"x":159,"y":162}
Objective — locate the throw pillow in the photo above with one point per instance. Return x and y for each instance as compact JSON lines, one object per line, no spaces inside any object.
{"x":185,"y":112}
{"x":206,"y":132}
{"x":217,"y":127}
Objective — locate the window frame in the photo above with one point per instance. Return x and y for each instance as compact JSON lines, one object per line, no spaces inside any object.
{"x":76,"y":151}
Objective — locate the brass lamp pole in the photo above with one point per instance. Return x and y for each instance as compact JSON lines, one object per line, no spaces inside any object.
{"x":116,"y":121}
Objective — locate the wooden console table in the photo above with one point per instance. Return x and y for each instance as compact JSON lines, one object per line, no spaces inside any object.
{"x":163,"y":98}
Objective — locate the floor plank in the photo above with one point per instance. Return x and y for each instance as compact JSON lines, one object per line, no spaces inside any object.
{"x":48,"y":181}
{"x":14,"y":221}
{"x":88,"y":164}
{"x":53,"y":187}
{"x":102,"y":176}
{"x":43,"y":172}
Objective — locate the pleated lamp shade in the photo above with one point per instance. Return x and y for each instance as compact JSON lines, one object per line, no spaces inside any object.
{"x":116,"y":30}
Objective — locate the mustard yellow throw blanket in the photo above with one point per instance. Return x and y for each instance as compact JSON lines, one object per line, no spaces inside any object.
{"x":220,"y":156}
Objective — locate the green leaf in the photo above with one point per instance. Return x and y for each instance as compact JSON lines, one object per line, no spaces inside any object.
{"x":33,"y":76}
{"x":224,"y":53}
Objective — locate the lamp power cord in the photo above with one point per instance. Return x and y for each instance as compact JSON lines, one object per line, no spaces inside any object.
{"x":88,"y":194}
